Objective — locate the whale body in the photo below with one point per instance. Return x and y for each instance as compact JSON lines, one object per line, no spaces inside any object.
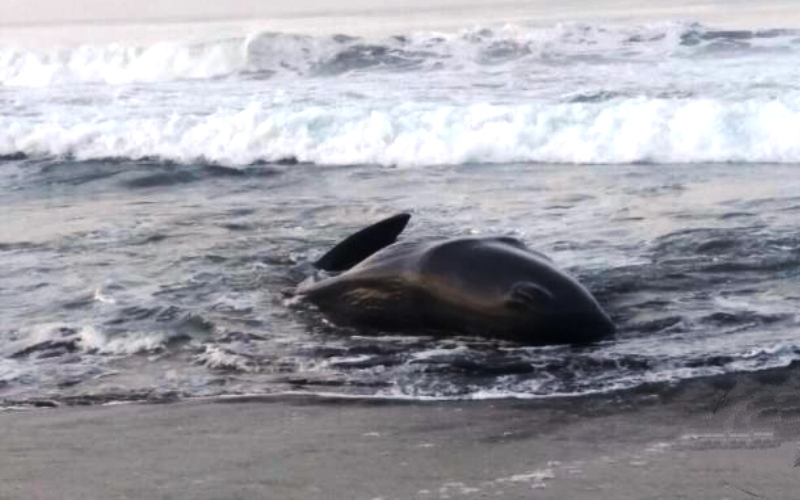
{"x":493,"y":287}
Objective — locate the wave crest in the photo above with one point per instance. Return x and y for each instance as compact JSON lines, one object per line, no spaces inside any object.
{"x":265,"y":55}
{"x":620,"y":130}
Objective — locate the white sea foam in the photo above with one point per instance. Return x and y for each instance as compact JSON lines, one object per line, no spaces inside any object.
{"x":221,"y":358}
{"x":624,"y":130}
{"x":267,"y":54}
{"x":165,"y":61}
{"x":10,"y":370}
{"x":117,"y":64}
{"x":86,"y":339}
{"x":130,"y":343}
{"x":565,"y":94}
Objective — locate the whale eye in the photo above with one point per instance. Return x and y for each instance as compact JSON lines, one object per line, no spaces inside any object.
{"x":527,"y":295}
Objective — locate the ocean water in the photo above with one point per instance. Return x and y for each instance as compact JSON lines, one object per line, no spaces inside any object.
{"x":160,"y":200}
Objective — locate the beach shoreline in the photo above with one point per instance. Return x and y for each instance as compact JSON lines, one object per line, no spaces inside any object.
{"x":732,"y":436}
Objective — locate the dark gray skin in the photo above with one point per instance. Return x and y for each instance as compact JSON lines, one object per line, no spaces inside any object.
{"x":493,"y":287}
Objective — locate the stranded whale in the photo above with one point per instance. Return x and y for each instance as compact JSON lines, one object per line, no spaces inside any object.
{"x":492,"y":287}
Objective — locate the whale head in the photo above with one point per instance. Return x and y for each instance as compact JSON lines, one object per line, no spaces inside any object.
{"x":501,"y":288}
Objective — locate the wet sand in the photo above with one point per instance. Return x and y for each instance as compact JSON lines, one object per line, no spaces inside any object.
{"x":730,"y":437}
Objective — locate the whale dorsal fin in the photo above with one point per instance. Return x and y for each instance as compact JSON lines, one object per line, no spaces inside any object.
{"x":358,"y":246}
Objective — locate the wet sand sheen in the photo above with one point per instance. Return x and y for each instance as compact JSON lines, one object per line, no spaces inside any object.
{"x":721,"y":437}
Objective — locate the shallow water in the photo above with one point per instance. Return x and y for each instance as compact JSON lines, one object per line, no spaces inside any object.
{"x":146,"y":278}
{"x":161,"y":200}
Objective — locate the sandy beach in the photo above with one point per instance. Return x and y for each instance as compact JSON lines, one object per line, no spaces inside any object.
{"x":729,"y":437}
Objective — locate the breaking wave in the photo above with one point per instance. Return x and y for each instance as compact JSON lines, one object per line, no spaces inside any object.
{"x":619,"y":130}
{"x":265,"y":55}
{"x":51,"y":340}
